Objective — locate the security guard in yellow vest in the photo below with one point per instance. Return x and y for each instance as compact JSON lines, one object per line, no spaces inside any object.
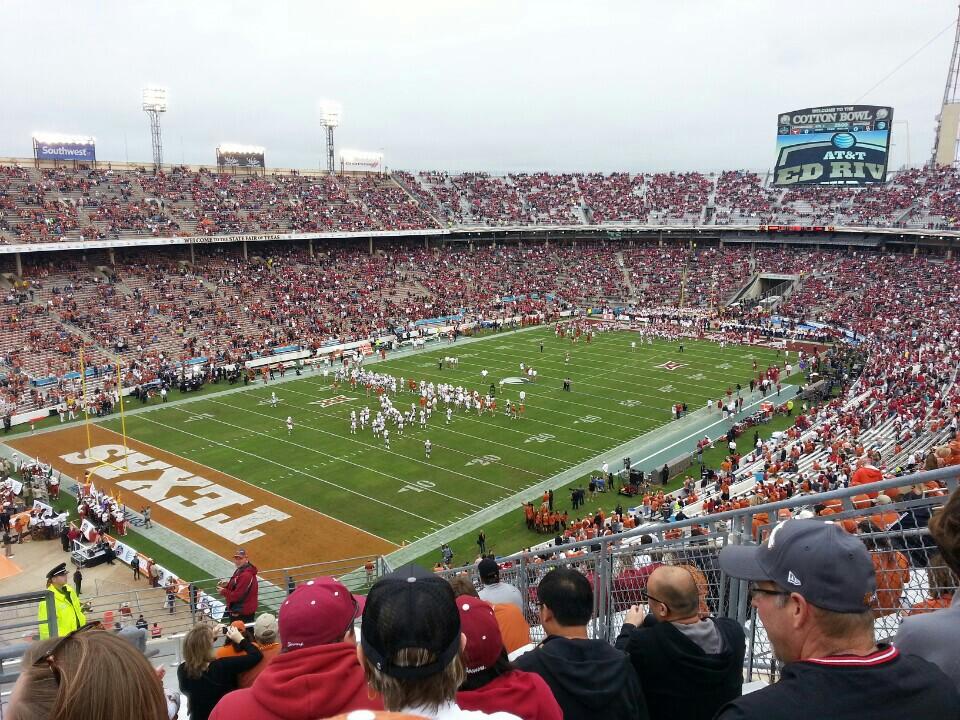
{"x":70,"y":615}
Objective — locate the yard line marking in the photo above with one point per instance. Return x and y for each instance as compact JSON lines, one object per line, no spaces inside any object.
{"x":367,"y":445}
{"x":301,"y":472}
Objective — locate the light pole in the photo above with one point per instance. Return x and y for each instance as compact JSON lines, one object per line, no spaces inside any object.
{"x":154,"y":103}
{"x":330,"y":112}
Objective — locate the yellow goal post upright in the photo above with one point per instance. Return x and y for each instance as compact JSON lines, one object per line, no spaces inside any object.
{"x":87,"y":422}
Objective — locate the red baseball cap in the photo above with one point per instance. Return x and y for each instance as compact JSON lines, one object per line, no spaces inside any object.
{"x":479,"y":624}
{"x":318,"y":612}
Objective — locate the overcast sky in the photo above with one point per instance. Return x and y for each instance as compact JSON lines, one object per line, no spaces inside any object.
{"x":496,"y":85}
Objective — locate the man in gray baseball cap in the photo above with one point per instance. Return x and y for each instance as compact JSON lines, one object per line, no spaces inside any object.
{"x":812,"y":583}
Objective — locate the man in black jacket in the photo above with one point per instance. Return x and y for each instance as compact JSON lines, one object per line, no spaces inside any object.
{"x":673,"y":650}
{"x":589,"y":678}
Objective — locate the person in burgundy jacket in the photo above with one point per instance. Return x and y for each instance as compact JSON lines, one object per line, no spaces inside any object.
{"x":316,"y":674}
{"x":240,"y":592}
{"x":493,"y":684}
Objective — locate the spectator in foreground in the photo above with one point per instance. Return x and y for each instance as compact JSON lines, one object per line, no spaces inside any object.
{"x":589,"y":678}
{"x":813,"y":584}
{"x":935,"y":636}
{"x":493,"y":590}
{"x":316,"y":673}
{"x":205,"y":678}
{"x":492,"y":683}
{"x":673,"y":650}
{"x":514,"y":630}
{"x":86,"y":674}
{"x":411,"y":645}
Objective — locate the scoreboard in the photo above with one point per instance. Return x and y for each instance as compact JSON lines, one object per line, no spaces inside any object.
{"x":836,"y":145}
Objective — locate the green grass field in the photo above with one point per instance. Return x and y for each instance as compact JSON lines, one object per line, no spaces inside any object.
{"x":618,"y":394}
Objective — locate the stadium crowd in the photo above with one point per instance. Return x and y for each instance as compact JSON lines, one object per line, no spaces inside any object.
{"x":52,"y":205}
{"x":461,"y":646}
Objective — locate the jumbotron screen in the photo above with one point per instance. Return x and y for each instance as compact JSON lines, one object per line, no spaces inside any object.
{"x":839,"y":145}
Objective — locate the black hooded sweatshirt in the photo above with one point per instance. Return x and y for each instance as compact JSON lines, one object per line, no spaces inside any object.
{"x":680,"y":681}
{"x":589,"y":678}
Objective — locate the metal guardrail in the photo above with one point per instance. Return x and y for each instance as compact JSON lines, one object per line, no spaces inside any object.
{"x":908,"y":571}
{"x":618,"y":565}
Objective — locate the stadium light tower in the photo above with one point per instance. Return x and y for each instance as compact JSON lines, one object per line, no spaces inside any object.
{"x":330,"y":112}
{"x":948,"y":121}
{"x":154,"y":103}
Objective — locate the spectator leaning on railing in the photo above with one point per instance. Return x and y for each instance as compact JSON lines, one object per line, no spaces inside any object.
{"x":812,"y":585}
{"x":589,"y":678}
{"x":673,"y":650}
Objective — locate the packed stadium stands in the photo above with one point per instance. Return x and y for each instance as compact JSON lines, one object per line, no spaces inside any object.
{"x":51,"y":205}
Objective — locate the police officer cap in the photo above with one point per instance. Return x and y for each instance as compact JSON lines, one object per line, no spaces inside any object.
{"x":60,"y":569}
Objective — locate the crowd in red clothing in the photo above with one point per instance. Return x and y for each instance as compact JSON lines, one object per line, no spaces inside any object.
{"x":52,"y":205}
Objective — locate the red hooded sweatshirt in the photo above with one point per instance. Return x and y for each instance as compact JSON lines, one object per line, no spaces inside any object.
{"x":305,"y":684}
{"x":525,"y":694}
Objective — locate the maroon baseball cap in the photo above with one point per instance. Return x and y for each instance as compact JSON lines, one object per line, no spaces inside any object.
{"x":479,"y":624}
{"x":318,"y":612}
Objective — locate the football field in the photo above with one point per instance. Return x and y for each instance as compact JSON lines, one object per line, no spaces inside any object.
{"x":394,"y":496}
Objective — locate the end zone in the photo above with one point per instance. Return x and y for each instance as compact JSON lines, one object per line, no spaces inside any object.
{"x":215,"y":510}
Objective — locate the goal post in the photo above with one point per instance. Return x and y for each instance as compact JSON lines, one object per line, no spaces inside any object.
{"x":87,"y":421}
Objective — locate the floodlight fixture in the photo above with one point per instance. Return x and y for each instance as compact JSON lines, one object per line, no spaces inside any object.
{"x":154,"y":103}
{"x":154,"y":99}
{"x":330,"y":113}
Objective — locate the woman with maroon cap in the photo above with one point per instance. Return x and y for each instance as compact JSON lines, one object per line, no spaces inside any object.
{"x":492,"y":683}
{"x":316,"y":674}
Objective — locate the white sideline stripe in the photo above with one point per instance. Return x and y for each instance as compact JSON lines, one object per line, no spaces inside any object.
{"x":350,"y":438}
{"x":246,"y":482}
{"x":299,"y":472}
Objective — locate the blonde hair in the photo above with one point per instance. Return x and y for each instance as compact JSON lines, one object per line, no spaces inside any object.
{"x":100,"y":676}
{"x":198,"y":650}
{"x":430,"y":692}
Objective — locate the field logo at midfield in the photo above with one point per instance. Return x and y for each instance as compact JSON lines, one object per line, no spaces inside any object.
{"x":514,"y":380}
{"x":330,"y":401}
{"x":162,"y":478}
{"x":671,"y":365}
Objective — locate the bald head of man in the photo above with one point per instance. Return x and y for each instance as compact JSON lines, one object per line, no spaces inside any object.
{"x":672,"y":595}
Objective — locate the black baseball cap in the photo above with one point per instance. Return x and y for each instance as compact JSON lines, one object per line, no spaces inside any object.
{"x":819,"y":560}
{"x":410,"y":608}
{"x":488,"y":568}
{"x":60,"y":569}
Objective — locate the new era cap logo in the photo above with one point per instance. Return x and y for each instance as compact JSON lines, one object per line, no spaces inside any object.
{"x":793,"y":579}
